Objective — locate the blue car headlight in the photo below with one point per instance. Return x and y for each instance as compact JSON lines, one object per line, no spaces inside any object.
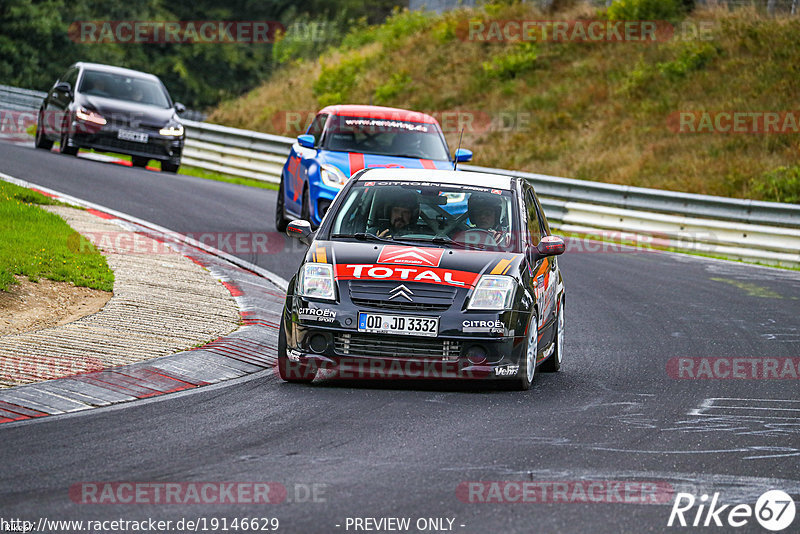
{"x":332,"y":176}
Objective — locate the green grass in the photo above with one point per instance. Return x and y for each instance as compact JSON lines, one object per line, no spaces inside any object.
{"x":210,"y":175}
{"x":593,"y":111}
{"x":39,"y":244}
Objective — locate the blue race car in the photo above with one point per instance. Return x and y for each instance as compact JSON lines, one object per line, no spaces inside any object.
{"x":344,"y":139}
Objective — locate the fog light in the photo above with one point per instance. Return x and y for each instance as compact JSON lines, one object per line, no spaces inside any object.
{"x":476,"y":354}
{"x":318,"y":343}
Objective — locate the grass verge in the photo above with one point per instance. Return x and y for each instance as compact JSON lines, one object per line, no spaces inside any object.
{"x":39,"y":244}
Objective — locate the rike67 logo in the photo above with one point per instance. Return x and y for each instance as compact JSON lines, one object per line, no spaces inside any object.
{"x":774,"y":510}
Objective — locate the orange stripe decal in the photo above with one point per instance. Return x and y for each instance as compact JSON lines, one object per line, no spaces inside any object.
{"x":501,"y":267}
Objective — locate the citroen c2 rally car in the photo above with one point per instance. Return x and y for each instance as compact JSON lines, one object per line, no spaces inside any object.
{"x":398,"y":283}
{"x":342,"y":140}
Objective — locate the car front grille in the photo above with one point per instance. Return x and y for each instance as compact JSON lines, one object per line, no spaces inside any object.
{"x":123,"y":146}
{"x":425,"y":297}
{"x":379,"y":346}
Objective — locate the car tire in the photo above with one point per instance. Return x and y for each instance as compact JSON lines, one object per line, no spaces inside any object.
{"x":305,"y":212}
{"x":553,"y":363}
{"x":527,"y":364}
{"x":41,"y":140}
{"x":289,"y":371}
{"x":65,"y":138}
{"x":281,"y":222}
{"x":170,"y":167}
{"x":138,"y":161}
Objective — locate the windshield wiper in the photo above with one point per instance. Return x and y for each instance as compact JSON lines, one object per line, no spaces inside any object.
{"x":362,"y":236}
{"x":443,"y":240}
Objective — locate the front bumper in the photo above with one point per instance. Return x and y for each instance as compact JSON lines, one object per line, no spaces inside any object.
{"x":352,"y":354}
{"x":162,"y":148}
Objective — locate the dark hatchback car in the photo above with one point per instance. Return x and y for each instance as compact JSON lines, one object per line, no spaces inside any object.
{"x":115,"y":110}
{"x":401,"y":281}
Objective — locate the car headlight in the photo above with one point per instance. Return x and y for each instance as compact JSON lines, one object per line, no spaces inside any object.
{"x":492,"y":293}
{"x":90,"y":116}
{"x":316,"y":281}
{"x":332,"y":176}
{"x":172,"y":130}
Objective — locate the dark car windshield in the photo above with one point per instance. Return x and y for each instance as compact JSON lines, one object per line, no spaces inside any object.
{"x":449,"y":215}
{"x":386,"y":137}
{"x":120,"y":87}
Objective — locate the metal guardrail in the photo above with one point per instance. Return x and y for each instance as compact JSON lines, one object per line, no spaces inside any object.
{"x":751,"y":230}
{"x":767,"y":232}
{"x":16,"y":99}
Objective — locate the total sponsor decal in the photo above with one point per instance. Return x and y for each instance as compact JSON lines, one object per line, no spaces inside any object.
{"x":429,"y":257}
{"x":506,"y":370}
{"x":774,"y":510}
{"x":431,"y":275}
{"x":492,"y":327}
{"x":316,"y":314}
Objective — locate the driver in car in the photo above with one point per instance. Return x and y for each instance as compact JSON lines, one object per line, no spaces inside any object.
{"x":485,"y":212}
{"x":403,"y":213}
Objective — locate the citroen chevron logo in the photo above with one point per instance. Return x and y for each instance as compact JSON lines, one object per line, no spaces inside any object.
{"x":401,"y":291}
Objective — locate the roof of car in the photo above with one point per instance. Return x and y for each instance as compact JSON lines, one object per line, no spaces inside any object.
{"x":114,"y":70}
{"x":379,"y":112}
{"x":479,"y":179}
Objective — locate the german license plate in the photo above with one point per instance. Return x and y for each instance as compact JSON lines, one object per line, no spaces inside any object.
{"x":137,"y":137}
{"x":378,"y":323}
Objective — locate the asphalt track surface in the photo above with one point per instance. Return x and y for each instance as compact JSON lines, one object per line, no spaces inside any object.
{"x":401,"y":449}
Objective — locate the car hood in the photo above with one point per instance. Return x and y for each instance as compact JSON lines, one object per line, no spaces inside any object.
{"x":116,"y":110}
{"x":428,"y":264}
{"x":352,"y":162}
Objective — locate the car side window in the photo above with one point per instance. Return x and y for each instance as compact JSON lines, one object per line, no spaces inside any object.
{"x":72,"y":78}
{"x":317,"y":126}
{"x":534,"y":225}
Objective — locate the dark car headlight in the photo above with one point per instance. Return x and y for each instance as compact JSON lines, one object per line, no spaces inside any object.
{"x":316,"y":280}
{"x":90,"y":116}
{"x":492,"y":293}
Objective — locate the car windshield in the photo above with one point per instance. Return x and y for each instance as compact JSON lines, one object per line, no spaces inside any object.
{"x":386,"y":137}
{"x":449,"y":215}
{"x":119,"y":87}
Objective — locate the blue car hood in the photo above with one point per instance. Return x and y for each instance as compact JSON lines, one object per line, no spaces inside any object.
{"x":351,"y":162}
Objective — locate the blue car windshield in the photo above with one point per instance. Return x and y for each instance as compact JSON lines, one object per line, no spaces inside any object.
{"x":120,"y":87}
{"x":386,"y":137}
{"x":442,"y":214}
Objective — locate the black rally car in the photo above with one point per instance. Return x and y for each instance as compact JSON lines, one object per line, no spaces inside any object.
{"x":426,"y":274}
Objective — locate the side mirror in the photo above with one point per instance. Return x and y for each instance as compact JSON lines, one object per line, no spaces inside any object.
{"x":463,"y":155}
{"x":306,"y":140}
{"x":551,"y":245}
{"x":180,"y":108}
{"x":301,"y":230}
{"x":63,"y":87}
